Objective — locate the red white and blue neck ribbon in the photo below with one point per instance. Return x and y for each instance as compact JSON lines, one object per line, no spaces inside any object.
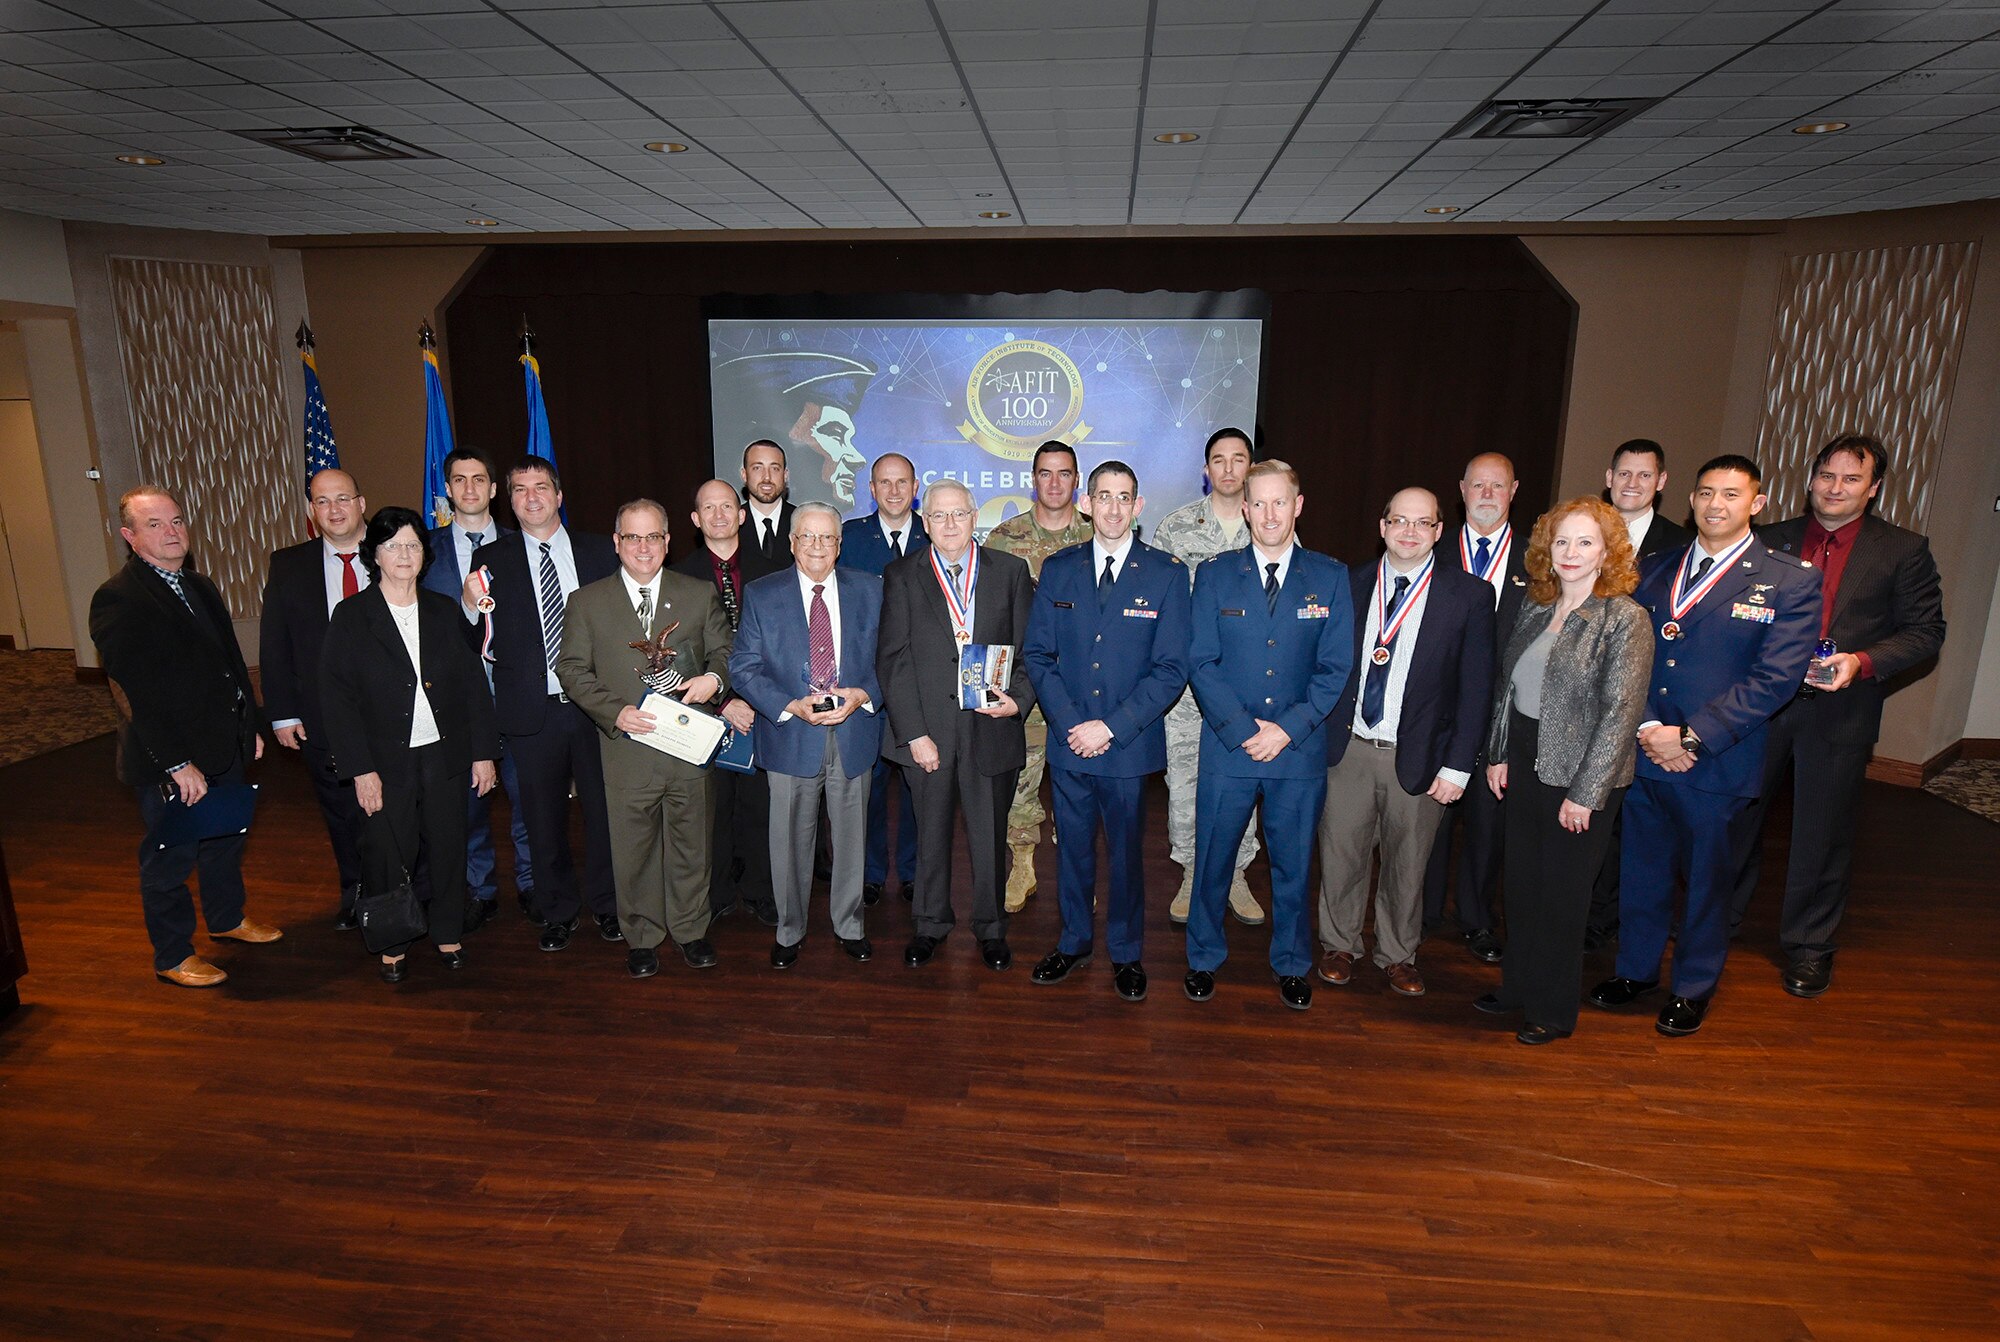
{"x":959,"y":604}
{"x":1684,"y":598}
{"x":1496,"y":559}
{"x":1386,"y":629}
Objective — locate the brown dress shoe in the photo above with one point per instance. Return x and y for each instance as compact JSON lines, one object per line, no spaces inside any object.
{"x":193,"y":972}
{"x":1405,"y":979}
{"x":1336,"y":967}
{"x":249,"y":931}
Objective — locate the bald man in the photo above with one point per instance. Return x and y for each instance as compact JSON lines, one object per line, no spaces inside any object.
{"x":306,"y":581}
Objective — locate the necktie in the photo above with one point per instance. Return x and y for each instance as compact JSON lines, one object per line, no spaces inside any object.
{"x":956,"y":574}
{"x":1375,"y":689}
{"x":725,"y":582}
{"x":646,"y":610}
{"x":1480,"y":557}
{"x":819,"y":641}
{"x":1701,"y":570}
{"x":350,"y":581}
{"x":770,"y":540}
{"x":1109,"y":576}
{"x":476,"y":539}
{"x":552,"y":609}
{"x":896,"y":542}
{"x":1271,"y":586}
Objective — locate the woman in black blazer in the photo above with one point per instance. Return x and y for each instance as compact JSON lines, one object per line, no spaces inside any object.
{"x":409,"y":719}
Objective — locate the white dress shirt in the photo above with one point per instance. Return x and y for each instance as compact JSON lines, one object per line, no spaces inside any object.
{"x":1262,"y":561}
{"x":564,"y":559}
{"x":335,"y":570}
{"x":1496,"y":570}
{"x":776,"y":517}
{"x":462,"y":546}
{"x":423,"y":722}
{"x":633,"y":587}
{"x":1637,"y":527}
{"x":1098,"y":554}
{"x":1401,"y":654}
{"x":900,"y":542}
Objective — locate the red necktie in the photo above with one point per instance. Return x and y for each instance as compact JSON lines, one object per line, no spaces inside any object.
{"x":819,"y":641}
{"x":350,"y":581}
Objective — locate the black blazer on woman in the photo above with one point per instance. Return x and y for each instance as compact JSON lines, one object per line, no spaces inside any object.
{"x":368,"y":687}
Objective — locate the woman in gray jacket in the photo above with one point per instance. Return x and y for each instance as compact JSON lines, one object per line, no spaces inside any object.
{"x":1566,"y":711}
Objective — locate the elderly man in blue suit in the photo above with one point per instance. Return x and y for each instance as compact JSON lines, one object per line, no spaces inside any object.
{"x":468,"y":477}
{"x":1272,"y":649}
{"x":1734,"y":625}
{"x":871,"y":544}
{"x":805,"y":660}
{"x":1107,"y":652}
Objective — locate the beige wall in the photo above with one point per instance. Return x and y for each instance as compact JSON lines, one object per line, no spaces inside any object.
{"x":34,"y":262}
{"x":32,"y":608}
{"x":1982,"y":719}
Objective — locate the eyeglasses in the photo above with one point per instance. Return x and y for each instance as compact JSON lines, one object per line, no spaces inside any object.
{"x":816,"y":541}
{"x":643,"y":537}
{"x":1105,"y":496}
{"x":402,"y":547}
{"x":336,"y":500}
{"x":951,"y":515}
{"x":1399,"y":522}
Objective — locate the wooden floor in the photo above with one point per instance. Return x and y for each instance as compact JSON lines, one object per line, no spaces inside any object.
{"x":543,"y":1148}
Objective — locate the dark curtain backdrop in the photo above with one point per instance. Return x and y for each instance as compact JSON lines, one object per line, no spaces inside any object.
{"x":1387,"y":361}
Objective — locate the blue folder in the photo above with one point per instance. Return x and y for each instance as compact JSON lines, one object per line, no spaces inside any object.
{"x":226,"y":809}
{"x":735,"y":752}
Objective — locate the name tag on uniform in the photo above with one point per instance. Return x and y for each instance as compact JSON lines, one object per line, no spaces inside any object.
{"x":1065,"y":605}
{"x":1142,"y":615}
{"x":1315,"y":612}
{"x":1228,"y":611}
{"x":1743,"y":610}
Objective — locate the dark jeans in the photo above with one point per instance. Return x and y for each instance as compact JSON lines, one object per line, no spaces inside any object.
{"x":163,"y":873}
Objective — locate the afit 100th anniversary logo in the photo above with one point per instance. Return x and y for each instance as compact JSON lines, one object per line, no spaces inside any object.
{"x":1019,"y":396}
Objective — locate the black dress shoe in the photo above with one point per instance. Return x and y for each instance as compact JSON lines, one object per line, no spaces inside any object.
{"x":1295,"y":991}
{"x":1199,"y":985}
{"x":1810,"y":976}
{"x":452,"y":959}
{"x":1597,"y":939}
{"x":643,"y":962}
{"x":1539,"y":1034}
{"x":348,"y":921}
{"x":725,"y":910}
{"x":1130,"y":980}
{"x":859,"y":949}
{"x":1681,"y":1016}
{"x":395,"y":972}
{"x":767,"y":914}
{"x":1492,"y":1005}
{"x":698,"y":953}
{"x":871,"y":894}
{"x":525,"y":900}
{"x":920,"y":950}
{"x":555,"y":936}
{"x":1614,"y":993}
{"x":1483,"y":945}
{"x":996,"y":953}
{"x":1056,"y":966}
{"x":908,"y":890}
{"x":478,"y":913}
{"x":607,"y":927}
{"x":783,"y":956}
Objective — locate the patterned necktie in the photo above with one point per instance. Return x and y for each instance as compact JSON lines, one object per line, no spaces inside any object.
{"x":896,"y":542}
{"x":957,"y":586}
{"x":1271,"y":586}
{"x":1375,"y":689}
{"x":646,"y":610}
{"x":725,"y":583}
{"x":350,"y":581}
{"x":552,"y":608}
{"x":819,"y":641}
{"x":1480,"y":557}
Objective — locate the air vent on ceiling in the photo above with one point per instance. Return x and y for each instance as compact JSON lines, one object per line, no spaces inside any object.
{"x":339,"y":144}
{"x":1548,"y":118}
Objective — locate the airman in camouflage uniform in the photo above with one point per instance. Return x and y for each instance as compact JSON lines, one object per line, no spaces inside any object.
{"x":1025,"y":536}
{"x":1193,"y":534}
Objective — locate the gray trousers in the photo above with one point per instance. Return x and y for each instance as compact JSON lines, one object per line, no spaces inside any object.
{"x":1366,"y":809}
{"x":794,"y":829}
{"x":1183,"y":767}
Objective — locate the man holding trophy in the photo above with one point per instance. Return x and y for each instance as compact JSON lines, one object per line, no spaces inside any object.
{"x":640,"y":650}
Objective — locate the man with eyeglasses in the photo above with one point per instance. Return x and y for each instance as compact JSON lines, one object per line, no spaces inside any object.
{"x":1401,"y":743}
{"x":659,"y":804}
{"x":954,"y":595}
{"x":305,"y":582}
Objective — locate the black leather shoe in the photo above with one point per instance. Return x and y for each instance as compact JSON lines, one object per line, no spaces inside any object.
{"x":643,"y":963}
{"x":555,"y":936}
{"x":1483,"y":945}
{"x":1539,"y":1034}
{"x":871,"y":894}
{"x":1597,"y":939}
{"x":1295,"y":991}
{"x":725,"y":910}
{"x":1681,"y":1016}
{"x":1492,"y":1005}
{"x":783,"y":956}
{"x":347,"y":920}
{"x":920,"y":950}
{"x":451,"y":959}
{"x":396,"y":971}
{"x":1199,"y":985}
{"x":698,"y":953}
{"x":996,"y":954}
{"x":607,"y":927}
{"x":1055,"y":966}
{"x":908,"y":890}
{"x":859,"y":949}
{"x":1130,"y":980}
{"x":767,"y":914}
{"x":525,"y":901}
{"x":1614,"y":993}
{"x":1810,"y":976}
{"x":478,"y":913}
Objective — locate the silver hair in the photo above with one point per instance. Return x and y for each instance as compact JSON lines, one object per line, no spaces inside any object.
{"x":815,"y":507}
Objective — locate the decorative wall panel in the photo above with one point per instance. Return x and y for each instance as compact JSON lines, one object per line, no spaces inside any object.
{"x":1865,"y":342}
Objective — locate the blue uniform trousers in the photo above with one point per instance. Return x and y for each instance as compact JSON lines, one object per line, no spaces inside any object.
{"x":1675,"y":833}
{"x":1222,"y":805}
{"x":875,"y":870}
{"x":1083,"y":800}
{"x":481,"y":880}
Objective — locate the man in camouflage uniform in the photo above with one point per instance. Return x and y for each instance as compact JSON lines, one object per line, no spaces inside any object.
{"x":1193,"y":534}
{"x":1052,"y":524}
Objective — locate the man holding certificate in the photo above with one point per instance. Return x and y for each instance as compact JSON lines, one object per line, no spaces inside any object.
{"x":647,"y":636}
{"x":943,"y":612}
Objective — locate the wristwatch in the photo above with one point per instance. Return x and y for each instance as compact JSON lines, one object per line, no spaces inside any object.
{"x":1689,"y":741}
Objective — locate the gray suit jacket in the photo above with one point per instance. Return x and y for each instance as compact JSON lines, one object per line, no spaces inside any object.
{"x":1593,"y":694}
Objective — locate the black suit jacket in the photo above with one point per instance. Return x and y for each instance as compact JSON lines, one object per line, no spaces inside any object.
{"x":780,"y":554}
{"x":520,"y":666}
{"x":1450,"y":686}
{"x":294,"y":628}
{"x":371,"y":688}
{"x":1890,"y":605}
{"x":182,"y":673}
{"x":1664,"y":535}
{"x":749,"y":559}
{"x":917,"y":658}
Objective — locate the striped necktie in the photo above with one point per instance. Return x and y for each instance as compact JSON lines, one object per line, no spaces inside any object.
{"x":552,"y":608}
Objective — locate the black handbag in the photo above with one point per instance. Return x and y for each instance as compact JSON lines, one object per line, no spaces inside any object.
{"x":391,"y":917}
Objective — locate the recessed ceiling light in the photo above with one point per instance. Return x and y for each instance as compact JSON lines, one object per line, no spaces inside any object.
{"x":982,"y":195}
{"x":1442,"y":209}
{"x":1177,"y":137}
{"x":666,"y":146}
{"x":995,"y":214}
{"x":1819,"y":128}
{"x":141,"y":160}
{"x":484,"y":223}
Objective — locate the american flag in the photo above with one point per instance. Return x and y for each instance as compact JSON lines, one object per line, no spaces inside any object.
{"x":321,"y":454}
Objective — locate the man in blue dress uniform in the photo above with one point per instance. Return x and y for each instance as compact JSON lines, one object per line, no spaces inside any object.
{"x":1107,"y":652}
{"x":1273,"y":645}
{"x":1734,"y":625}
